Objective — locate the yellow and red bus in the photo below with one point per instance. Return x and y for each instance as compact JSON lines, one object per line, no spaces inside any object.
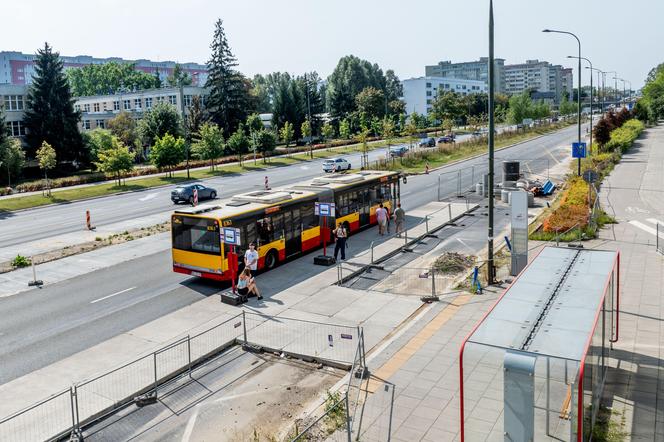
{"x":281,"y":221}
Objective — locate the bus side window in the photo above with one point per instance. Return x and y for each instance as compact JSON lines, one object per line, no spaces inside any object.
{"x":353,"y":201}
{"x":264,"y":230}
{"x":375,"y":195}
{"x":249,"y":235}
{"x":277,"y":226}
{"x":307,"y":214}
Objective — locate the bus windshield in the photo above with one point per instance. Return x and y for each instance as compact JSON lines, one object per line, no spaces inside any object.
{"x":196,"y":235}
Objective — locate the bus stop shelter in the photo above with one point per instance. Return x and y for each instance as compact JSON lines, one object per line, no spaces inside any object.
{"x":534,"y":367}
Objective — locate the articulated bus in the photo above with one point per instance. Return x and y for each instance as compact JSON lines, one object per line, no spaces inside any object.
{"x":281,"y":221}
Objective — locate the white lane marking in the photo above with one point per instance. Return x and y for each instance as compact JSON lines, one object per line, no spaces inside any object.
{"x":304,"y":167}
{"x":148,"y":197}
{"x":655,"y":221}
{"x":190,"y":424}
{"x":645,"y":228}
{"x":554,"y":158}
{"x":113,"y":294}
{"x":631,"y":209}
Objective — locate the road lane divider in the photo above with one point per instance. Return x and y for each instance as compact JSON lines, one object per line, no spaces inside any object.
{"x":112,"y":294}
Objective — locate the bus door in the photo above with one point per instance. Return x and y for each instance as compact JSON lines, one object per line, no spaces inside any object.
{"x":293,"y":231}
{"x":364,"y":199}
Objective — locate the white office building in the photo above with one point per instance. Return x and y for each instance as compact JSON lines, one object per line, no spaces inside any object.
{"x":418,"y":93}
{"x":470,"y":70}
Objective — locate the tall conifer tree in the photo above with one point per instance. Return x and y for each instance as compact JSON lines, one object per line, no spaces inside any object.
{"x":50,"y":116}
{"x":228,"y":103}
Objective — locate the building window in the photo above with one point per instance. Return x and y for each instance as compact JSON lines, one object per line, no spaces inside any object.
{"x":428,"y":84}
{"x":86,"y":124}
{"x":463,"y":87}
{"x":15,"y":128}
{"x":77,"y":107}
{"x":148,"y":103}
{"x":96,"y":107}
{"x":428,"y":101}
{"x":137,"y":103}
{"x":100,"y":124}
{"x":13,"y":102}
{"x":160,"y":99}
{"x":127,"y":104}
{"x":104,"y":107}
{"x":116,"y":105}
{"x":86,"y":107}
{"x":428,"y":93}
{"x":173,"y":99}
{"x":187,"y":100}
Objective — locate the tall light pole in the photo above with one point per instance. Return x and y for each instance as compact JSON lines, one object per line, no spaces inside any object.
{"x":599,"y":82}
{"x":579,"y":90}
{"x":615,"y":85}
{"x":591,"y":99}
{"x":491,"y":273}
{"x":630,"y":90}
{"x":623,"y":93}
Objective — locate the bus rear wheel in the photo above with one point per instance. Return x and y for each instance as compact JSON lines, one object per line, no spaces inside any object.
{"x":271,"y":259}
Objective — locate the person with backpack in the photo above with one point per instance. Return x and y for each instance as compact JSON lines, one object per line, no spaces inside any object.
{"x":341,"y":234}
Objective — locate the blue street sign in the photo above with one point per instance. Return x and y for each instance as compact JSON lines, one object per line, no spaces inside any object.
{"x":578,"y":150}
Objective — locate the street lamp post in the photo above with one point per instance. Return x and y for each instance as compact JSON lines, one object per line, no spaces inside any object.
{"x":602,"y":96}
{"x":591,"y":99}
{"x":579,"y":90}
{"x":490,"y":269}
{"x":615,"y":85}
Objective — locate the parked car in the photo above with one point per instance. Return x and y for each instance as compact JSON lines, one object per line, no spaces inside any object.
{"x":185,"y":194}
{"x":427,"y":142}
{"x":398,"y":151}
{"x":445,"y":139}
{"x":336,"y":165}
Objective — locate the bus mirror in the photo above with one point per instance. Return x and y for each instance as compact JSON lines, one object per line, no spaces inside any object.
{"x":405,"y":180}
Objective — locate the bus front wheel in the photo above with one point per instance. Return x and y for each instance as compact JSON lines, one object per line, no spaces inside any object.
{"x":271,"y":259}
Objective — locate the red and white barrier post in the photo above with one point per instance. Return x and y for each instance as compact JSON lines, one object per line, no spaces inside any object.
{"x":88,"y":222}
{"x":267,"y":185}
{"x":195,"y":197}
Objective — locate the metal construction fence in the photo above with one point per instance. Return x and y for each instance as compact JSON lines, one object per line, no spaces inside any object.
{"x":68,"y":411}
{"x":336,"y":418}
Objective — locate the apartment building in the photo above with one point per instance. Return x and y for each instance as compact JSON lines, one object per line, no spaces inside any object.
{"x":470,"y":70}
{"x":96,"y":110}
{"x":418,"y":93}
{"x":13,"y":99}
{"x":567,"y":75}
{"x":18,"y":68}
{"x":534,"y":75}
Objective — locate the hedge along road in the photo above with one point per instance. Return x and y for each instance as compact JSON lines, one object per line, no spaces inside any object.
{"x":49,"y":221}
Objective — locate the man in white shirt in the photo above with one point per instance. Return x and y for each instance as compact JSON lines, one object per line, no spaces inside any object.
{"x":251,"y":257}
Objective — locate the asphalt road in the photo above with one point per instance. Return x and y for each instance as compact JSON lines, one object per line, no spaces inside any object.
{"x":49,"y":221}
{"x":42,"y":326}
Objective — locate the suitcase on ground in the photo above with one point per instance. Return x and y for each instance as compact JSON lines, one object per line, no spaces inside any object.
{"x":232,"y":298}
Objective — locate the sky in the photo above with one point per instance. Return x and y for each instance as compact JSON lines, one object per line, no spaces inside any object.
{"x":300,"y":35}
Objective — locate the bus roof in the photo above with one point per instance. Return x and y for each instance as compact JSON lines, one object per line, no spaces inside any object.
{"x":261,"y":199}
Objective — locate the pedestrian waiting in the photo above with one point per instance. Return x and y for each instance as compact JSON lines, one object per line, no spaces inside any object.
{"x":381,"y":218}
{"x":399,"y":219}
{"x":246,"y":284}
{"x":341,"y":234}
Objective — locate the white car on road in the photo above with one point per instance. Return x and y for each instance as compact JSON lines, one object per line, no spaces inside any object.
{"x":335,"y":165}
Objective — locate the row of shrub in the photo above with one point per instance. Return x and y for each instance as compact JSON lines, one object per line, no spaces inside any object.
{"x":575,"y":203}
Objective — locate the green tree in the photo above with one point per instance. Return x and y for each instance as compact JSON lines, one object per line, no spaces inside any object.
{"x":286,"y":133}
{"x":266,"y":142}
{"x":46,"y":157}
{"x":306,"y":134}
{"x":328,"y":133}
{"x":412,"y":129}
{"x":238,"y":144}
{"x":210,"y":145}
{"x":448,"y":105}
{"x":109,"y":78}
{"x":447,"y":125}
{"x":12,"y":157}
{"x":370,"y":103}
{"x":195,"y":118}
{"x":4,"y":133}
{"x":344,"y":129}
{"x":179,"y":77}
{"x":362,"y":137}
{"x":162,"y":119}
{"x":254,"y":123}
{"x":50,"y":114}
{"x":351,"y":76}
{"x":520,"y":108}
{"x":125,"y":128}
{"x":99,"y":140}
{"x":115,"y":160}
{"x":396,"y":108}
{"x":388,"y":133}
{"x":167,"y":152}
{"x":566,"y":107}
{"x":229,"y":99}
{"x":393,"y":87}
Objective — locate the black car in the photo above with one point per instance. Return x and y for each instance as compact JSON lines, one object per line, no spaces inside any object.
{"x":185,"y":194}
{"x":427,"y":142}
{"x":445,"y":139}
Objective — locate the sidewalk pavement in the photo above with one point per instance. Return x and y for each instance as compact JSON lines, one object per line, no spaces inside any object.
{"x":315,"y":299}
{"x":422,"y":364}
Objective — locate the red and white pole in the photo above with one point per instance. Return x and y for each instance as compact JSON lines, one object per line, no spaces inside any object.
{"x":267,"y":185}
{"x":324,"y":232}
{"x":195,"y":197}
{"x":88,"y":223}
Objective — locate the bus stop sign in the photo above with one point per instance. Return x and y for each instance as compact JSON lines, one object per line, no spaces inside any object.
{"x":324,"y":209}
{"x":578,"y":150}
{"x":231,"y":236}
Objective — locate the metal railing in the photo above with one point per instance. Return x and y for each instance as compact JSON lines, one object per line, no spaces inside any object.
{"x":68,"y":411}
